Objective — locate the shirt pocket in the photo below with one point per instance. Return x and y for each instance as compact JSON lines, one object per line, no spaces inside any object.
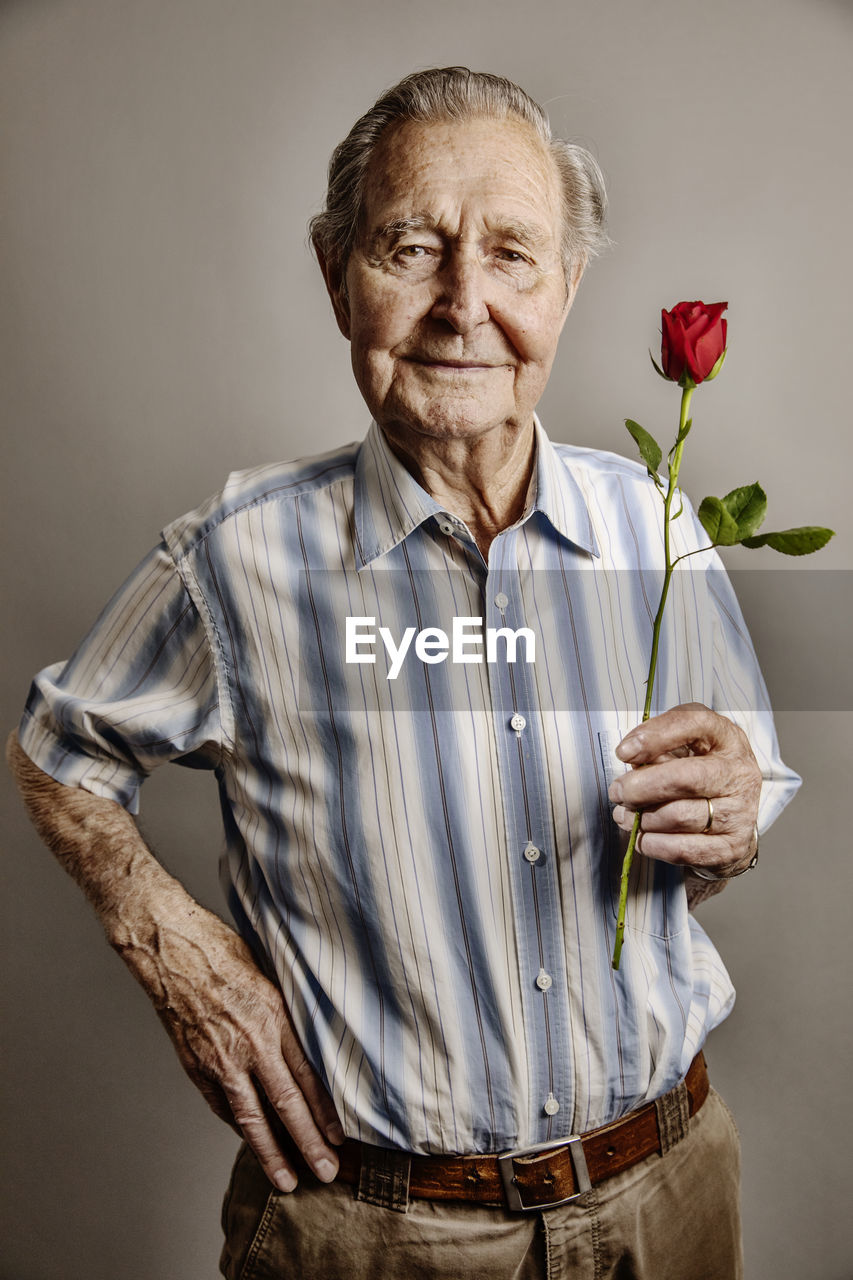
{"x":657,"y":903}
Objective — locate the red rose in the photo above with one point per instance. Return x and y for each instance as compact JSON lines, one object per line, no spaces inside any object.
{"x":693,"y":338}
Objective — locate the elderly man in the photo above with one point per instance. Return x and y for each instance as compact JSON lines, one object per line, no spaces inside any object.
{"x":416,"y":666}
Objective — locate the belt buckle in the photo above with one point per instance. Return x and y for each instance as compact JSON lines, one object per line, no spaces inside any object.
{"x":510,"y":1185}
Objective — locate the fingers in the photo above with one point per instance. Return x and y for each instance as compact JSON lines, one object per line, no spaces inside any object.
{"x":690,"y":725}
{"x":313,"y":1090}
{"x":679,"y":833}
{"x":257,"y":1111}
{"x":689,"y":751}
{"x":290,"y":1105}
{"x":689,"y":777}
{"x":283,"y":1089}
{"x":715,"y":852}
{"x":258,"y":1116}
{"x":248,"y":1114}
{"x":689,"y":816}
{"x":689,"y":765}
{"x":321,"y":1106}
{"x":239,"y":1105}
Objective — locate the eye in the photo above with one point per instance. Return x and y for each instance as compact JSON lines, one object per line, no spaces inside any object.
{"x":412,"y":251}
{"x":511,"y":255}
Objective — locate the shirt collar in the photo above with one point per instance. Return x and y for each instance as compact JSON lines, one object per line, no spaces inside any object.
{"x":389,"y":503}
{"x":558,"y":496}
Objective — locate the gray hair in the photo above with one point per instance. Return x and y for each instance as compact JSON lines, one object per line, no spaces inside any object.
{"x":456,"y":94}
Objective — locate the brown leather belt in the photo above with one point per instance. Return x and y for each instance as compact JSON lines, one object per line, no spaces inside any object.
{"x":543,"y":1176}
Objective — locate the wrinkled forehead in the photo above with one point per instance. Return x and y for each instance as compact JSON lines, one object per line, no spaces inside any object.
{"x":493,"y":169}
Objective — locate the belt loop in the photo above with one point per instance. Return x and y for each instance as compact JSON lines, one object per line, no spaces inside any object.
{"x":673,"y":1113}
{"x":384,"y":1178}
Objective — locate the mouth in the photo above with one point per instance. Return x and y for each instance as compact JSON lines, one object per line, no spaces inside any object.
{"x":453,"y":366}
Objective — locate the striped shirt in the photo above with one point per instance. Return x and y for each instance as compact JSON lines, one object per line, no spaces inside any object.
{"x":421,"y":848}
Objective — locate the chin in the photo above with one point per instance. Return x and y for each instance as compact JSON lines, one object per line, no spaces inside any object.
{"x":454,"y":419}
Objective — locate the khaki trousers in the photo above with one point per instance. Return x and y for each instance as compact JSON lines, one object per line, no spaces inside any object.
{"x":671,"y":1217}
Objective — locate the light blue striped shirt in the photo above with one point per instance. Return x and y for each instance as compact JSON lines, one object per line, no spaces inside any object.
{"x":428,"y":863}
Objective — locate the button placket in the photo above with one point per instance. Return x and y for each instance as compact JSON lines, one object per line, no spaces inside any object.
{"x":535,"y":888}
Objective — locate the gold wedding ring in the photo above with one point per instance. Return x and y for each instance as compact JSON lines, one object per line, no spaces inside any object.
{"x":707,"y":826}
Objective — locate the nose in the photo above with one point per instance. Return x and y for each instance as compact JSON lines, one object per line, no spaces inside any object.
{"x":462,"y":291}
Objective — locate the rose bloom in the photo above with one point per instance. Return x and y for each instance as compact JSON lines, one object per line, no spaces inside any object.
{"x":693,"y":337}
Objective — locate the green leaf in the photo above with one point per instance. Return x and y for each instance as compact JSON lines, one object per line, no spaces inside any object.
{"x":793,"y":542}
{"x":718,"y":523}
{"x":747,"y":506}
{"x":658,"y":370}
{"x":650,"y":450}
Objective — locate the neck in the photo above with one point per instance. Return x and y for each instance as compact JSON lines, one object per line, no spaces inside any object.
{"x":483,"y":480}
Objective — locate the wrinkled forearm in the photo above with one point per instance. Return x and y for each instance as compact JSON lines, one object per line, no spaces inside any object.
{"x":99,"y":845}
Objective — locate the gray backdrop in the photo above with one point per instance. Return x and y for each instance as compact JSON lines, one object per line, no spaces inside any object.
{"x":163,"y":322}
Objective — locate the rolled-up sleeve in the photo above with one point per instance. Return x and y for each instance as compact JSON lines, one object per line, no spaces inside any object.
{"x":140,"y":690}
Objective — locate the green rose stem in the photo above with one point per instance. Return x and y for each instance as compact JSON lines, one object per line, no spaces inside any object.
{"x":674,"y":467}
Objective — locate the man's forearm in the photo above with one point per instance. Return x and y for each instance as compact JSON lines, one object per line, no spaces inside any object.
{"x":160,"y":931}
{"x":100,"y":846}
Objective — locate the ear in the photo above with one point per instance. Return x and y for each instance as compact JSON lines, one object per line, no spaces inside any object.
{"x":335,"y":284}
{"x":573,"y":282}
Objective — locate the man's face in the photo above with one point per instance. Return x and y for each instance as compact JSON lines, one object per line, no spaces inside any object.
{"x":456,"y":292}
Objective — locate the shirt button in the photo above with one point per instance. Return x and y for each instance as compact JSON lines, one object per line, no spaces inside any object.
{"x":531,"y":853}
{"x":446,"y":527}
{"x":552,"y":1106}
{"x":517,"y":722}
{"x":543,"y":980}
{"x":501,"y":600}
